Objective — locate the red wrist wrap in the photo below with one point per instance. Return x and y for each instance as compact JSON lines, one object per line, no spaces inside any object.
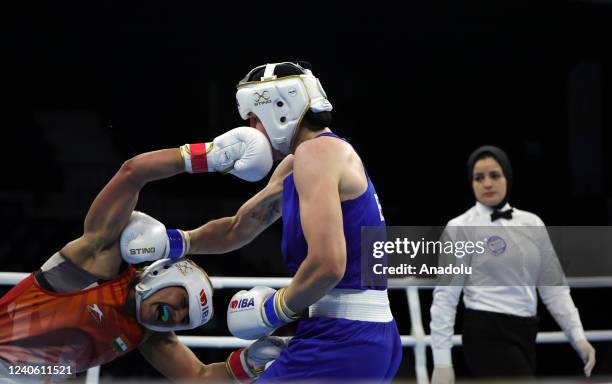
{"x":235,"y":364}
{"x":199,"y":162}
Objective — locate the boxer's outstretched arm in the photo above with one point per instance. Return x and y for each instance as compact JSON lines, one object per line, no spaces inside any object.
{"x":174,"y":360}
{"x":177,"y":362}
{"x":258,"y":213}
{"x":112,"y":208}
{"x":317,"y":171}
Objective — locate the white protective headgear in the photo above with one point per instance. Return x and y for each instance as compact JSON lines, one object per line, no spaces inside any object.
{"x":281,"y":102}
{"x":180,"y":273}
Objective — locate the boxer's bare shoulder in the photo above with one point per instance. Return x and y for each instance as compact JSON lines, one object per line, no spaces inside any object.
{"x":333,"y":156}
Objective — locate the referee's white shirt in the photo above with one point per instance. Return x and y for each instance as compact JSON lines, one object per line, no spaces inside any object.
{"x":520,"y":300}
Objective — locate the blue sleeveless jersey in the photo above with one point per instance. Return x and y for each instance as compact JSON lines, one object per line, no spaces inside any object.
{"x":334,"y":349}
{"x":364,"y":210}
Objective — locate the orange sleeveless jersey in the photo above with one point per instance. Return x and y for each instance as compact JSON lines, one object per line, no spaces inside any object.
{"x":82,"y":329}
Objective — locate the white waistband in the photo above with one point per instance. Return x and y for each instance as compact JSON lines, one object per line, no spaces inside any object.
{"x":353,"y":304}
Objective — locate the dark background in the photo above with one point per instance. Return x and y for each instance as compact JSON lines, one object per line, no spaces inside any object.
{"x":415,"y":89}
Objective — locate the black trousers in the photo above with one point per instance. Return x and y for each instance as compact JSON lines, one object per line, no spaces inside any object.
{"x":499,"y":345}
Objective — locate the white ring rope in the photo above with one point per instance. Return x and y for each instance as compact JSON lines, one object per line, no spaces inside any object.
{"x":12,"y":278}
{"x":418,"y":339}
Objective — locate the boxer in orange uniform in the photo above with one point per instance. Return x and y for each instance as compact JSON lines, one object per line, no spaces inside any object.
{"x":86,"y":307}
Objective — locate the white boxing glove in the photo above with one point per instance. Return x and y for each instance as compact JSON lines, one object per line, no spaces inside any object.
{"x":244,"y":152}
{"x":258,"y":312}
{"x":245,"y":365}
{"x":146,"y":239}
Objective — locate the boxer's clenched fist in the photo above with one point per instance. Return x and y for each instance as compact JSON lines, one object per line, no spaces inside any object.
{"x":244,"y":152}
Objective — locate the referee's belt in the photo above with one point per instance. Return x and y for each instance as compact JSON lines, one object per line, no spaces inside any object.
{"x":353,"y":304}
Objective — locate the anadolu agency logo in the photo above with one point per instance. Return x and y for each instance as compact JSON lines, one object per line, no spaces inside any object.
{"x":496,"y":245}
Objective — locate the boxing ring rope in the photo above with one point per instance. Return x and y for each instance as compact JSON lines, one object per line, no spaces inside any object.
{"x":417,"y":338}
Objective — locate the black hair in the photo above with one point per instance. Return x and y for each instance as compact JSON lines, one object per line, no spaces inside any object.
{"x":316,"y":120}
{"x":502,"y":159}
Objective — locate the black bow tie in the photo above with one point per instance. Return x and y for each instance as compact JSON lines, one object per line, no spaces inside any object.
{"x":497,"y":214}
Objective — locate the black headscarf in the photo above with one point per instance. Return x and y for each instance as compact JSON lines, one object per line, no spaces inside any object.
{"x":500,"y":156}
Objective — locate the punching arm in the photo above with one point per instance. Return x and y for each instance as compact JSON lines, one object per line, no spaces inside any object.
{"x":113,"y":206}
{"x":177,"y":362}
{"x":258,"y":213}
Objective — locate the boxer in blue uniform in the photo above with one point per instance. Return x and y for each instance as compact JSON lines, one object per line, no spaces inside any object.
{"x":325,"y":197}
{"x":339,"y":347}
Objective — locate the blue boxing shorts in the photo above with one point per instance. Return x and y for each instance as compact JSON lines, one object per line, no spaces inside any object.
{"x":332,"y":349}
